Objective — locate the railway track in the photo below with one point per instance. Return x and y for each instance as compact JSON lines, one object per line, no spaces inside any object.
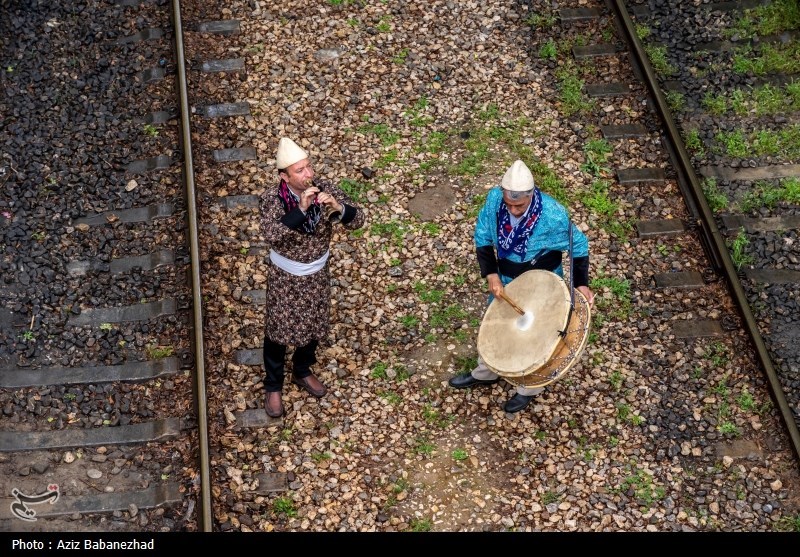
{"x":666,"y":425}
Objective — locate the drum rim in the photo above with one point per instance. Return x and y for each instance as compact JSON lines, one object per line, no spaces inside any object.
{"x":578,"y":352}
{"x":562,"y":326}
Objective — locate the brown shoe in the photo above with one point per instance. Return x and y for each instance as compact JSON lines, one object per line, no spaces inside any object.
{"x":311,"y":384}
{"x":274,"y":405}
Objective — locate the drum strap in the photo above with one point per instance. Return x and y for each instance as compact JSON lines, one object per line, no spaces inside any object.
{"x":571,"y":282}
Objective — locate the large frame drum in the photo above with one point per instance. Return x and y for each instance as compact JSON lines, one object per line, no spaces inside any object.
{"x":538,"y":348}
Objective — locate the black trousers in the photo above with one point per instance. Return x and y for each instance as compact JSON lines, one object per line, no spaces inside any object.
{"x":274,"y":357}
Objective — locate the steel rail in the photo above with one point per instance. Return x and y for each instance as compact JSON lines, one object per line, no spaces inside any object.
{"x":705,"y":220}
{"x":204,"y":512}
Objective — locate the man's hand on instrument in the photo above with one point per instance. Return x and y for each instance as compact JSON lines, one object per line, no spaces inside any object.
{"x":325,"y":198}
{"x":588,"y":293}
{"x":307,"y":197}
{"x":495,"y":284}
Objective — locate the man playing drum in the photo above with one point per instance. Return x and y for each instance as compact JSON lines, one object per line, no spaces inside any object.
{"x":521,"y":228}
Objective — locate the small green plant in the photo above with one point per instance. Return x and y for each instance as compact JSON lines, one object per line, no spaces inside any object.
{"x":676,"y":100}
{"x":105,"y":327}
{"x":765,"y":195}
{"x":156,"y":352}
{"x":717,"y":201}
{"x":771,"y":59}
{"x":28,"y":335}
{"x":400,"y":57}
{"x":571,"y":88}
{"x":658,"y":59}
{"x":319,"y":457}
{"x":549,"y":497}
{"x":379,"y":371}
{"x":738,"y":250}
{"x":284,"y":506}
{"x":383,"y":25}
{"x":151,"y":130}
{"x":541,"y":20}
{"x":746,"y":401}
{"x":422,"y":446}
{"x":420,"y":525}
{"x":644,"y":487}
{"x":615,"y":379}
{"x":548,"y":50}
{"x":714,"y":103}
{"x":354,"y":189}
{"x":465,"y":365}
{"x":771,"y":19}
{"x":459,"y":455}
{"x":694,"y":143}
{"x":431,"y":228}
{"x":38,"y":236}
{"x":729,"y":428}
{"x":642,"y":31}
{"x":788,"y":524}
{"x":409,"y":321}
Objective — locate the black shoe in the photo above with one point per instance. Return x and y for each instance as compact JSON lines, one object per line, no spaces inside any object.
{"x":467,"y":381}
{"x":517,"y":402}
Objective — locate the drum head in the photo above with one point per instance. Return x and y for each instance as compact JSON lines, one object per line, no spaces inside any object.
{"x":512,"y":345}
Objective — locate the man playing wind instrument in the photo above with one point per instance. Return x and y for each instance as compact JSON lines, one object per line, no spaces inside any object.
{"x":298,"y":218}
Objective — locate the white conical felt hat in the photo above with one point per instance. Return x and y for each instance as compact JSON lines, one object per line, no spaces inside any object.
{"x":289,"y":153}
{"x":518,"y":178}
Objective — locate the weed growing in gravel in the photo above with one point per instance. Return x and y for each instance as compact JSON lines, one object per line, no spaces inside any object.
{"x":728,"y":428}
{"x":717,"y":201}
{"x":738,"y":249}
{"x":420,"y":525}
{"x":715,"y":104}
{"x":465,"y":364}
{"x":765,"y":195}
{"x":28,"y":336}
{"x":155,"y":352}
{"x":284,"y":506}
{"x":597,"y":153}
{"x":319,"y":457}
{"x":459,"y":455}
{"x":615,"y":379}
{"x":773,"y":19}
{"x":717,"y":354}
{"x":427,"y":294}
{"x":642,"y":31}
{"x":383,"y":25}
{"x":783,"y":143}
{"x":784,"y":58}
{"x":691,"y":139}
{"x":658,"y":59}
{"x":643,"y":485}
{"x":393,"y":229}
{"x":400,"y":57}
{"x":423,"y":447}
{"x":746,"y":401}
{"x":354,"y":189}
{"x":571,"y":89}
{"x":764,"y":100}
{"x":548,"y":50}
{"x":788,"y":524}
{"x":384,"y":133}
{"x":675,"y":100}
{"x":598,"y":201}
{"x":619,"y":303}
{"x":379,"y":370}
{"x":435,"y":418}
{"x":151,"y":130}
{"x":549,"y":497}
{"x":543,"y":20}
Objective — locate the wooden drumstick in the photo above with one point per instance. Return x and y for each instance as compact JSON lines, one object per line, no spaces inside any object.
{"x":512,"y":304}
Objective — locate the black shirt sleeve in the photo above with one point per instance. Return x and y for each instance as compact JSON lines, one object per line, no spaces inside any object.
{"x":580,"y":270}
{"x":294,"y":219}
{"x":486,"y":260}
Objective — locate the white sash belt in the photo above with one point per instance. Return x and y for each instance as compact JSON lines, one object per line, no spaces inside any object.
{"x":295,"y":267}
